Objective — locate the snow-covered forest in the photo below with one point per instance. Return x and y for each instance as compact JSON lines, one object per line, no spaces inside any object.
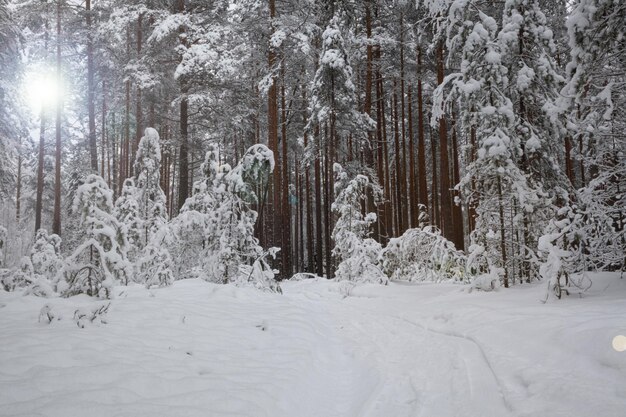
{"x":374,"y":174}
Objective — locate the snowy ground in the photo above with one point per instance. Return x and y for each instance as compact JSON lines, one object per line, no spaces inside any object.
{"x":197,"y":349}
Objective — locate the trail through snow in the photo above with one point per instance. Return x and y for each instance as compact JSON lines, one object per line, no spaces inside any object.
{"x":323,"y":349}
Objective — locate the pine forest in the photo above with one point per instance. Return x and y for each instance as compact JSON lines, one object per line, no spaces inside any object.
{"x":287,"y":147}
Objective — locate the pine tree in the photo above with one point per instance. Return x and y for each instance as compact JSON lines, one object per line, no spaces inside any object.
{"x":493,"y":181}
{"x":150,"y":196}
{"x":595,"y":97}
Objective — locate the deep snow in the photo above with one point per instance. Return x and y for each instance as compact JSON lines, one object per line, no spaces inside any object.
{"x":321,"y":349}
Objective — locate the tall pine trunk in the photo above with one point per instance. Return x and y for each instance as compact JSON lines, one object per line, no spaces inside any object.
{"x":183,"y":157}
{"x":404,"y":201}
{"x":91,"y":105}
{"x":272,"y":140}
{"x":56,"y":221}
{"x":421,"y":140}
{"x":286,"y":210}
{"x":447,"y":227}
{"x":138,"y":110}
{"x":18,"y":188}
{"x":40,"y":162}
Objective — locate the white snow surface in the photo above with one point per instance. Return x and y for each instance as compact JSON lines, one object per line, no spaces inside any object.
{"x":321,"y":349}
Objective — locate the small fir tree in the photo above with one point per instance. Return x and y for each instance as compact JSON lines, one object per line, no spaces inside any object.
{"x":357,"y":254}
{"x":99,"y":261}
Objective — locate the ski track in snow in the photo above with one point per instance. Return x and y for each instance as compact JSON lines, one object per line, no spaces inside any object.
{"x":197,"y":349}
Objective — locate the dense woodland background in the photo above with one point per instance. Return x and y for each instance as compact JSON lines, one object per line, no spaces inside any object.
{"x":499,"y":123}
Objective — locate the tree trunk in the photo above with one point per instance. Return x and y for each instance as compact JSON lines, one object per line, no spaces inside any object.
{"x":309,"y":204}
{"x":103,"y":145}
{"x":447,"y":227}
{"x":18,"y":189}
{"x":502,"y":234}
{"x":116,"y":189}
{"x":404,"y":201}
{"x":318,"y":216}
{"x":91,"y":105}
{"x":388,"y":189}
{"x":56,"y":222}
{"x":421,"y":145}
{"x":42,"y":145}
{"x":413,"y":197}
{"x":569,"y":171}
{"x":381,"y":221}
{"x":297,"y":254}
{"x":367,"y":109}
{"x":183,"y":164}
{"x":457,"y":213}
{"x":138,"y":110}
{"x":272,"y":140}
{"x":286,"y":210}
{"x":327,"y":197}
{"x":435,"y":217}
{"x":398,"y":206}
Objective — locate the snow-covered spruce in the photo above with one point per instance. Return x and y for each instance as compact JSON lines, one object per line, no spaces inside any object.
{"x":214,"y":232}
{"x":145,"y":216}
{"x":494,"y":182}
{"x":45,"y":254}
{"x":594,"y":103}
{"x":148,"y":193}
{"x":357,"y":254}
{"x":126,"y":212}
{"x":99,"y":261}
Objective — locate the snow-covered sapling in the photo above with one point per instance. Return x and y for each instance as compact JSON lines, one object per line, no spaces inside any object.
{"x":99,"y":261}
{"x":358,"y":255}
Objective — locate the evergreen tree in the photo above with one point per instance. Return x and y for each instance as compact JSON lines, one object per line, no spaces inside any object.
{"x":356,"y":253}
{"x":149,"y":194}
{"x":126,"y":212}
{"x":45,"y":255}
{"x":493,"y":182}
{"x":595,"y":98}
{"x":100,"y":260}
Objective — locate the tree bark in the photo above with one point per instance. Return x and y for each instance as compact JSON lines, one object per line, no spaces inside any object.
{"x":327,"y":197}
{"x":367,"y":109}
{"x":18,"y":189}
{"x":286,"y":210}
{"x":318,"y":215}
{"x":91,"y":105}
{"x":447,"y":226}
{"x":404,"y":201}
{"x":502,"y":234}
{"x":421,"y":145}
{"x":381,"y":221}
{"x":183,"y":164}
{"x":138,"y":109}
{"x":309,"y":204}
{"x":42,"y":145}
{"x":435,"y":217}
{"x":398,"y":209}
{"x":103,"y":145}
{"x":413,"y":197}
{"x":56,"y":221}
{"x":457,"y":213}
{"x":272,"y":140}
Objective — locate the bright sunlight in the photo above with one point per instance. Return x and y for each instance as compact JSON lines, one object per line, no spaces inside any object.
{"x":41,"y":91}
